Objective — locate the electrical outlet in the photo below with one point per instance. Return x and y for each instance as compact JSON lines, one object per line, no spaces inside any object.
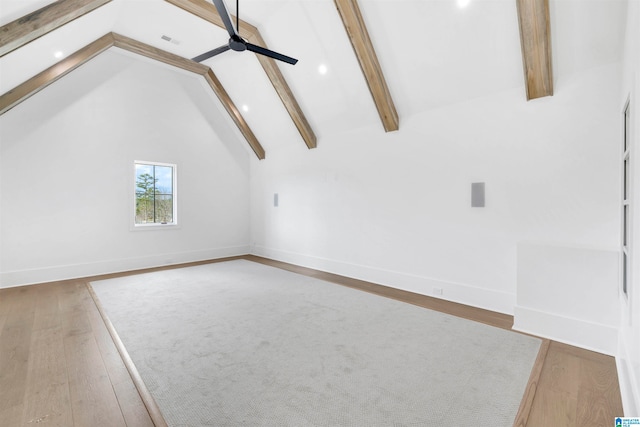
{"x":437,"y":291}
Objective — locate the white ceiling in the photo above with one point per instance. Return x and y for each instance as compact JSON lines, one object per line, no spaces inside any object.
{"x":432,"y":52}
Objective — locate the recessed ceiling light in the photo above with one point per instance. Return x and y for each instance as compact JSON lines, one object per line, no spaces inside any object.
{"x":58,"y":54}
{"x":245,"y":108}
{"x":463,"y":3}
{"x":322,"y":69}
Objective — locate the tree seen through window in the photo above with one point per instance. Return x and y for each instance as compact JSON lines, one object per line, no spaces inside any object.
{"x":154,"y":194}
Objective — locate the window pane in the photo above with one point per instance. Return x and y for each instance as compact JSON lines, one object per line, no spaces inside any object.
{"x":164,"y":179}
{"x":164,"y":208}
{"x":144,"y":210}
{"x":154,"y":194}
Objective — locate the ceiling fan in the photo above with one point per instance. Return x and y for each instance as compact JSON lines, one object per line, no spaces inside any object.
{"x":236,"y":42}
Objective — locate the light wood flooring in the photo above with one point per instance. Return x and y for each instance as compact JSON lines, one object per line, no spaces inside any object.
{"x":60,"y":367}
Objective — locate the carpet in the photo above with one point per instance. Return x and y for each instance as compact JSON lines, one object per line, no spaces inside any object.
{"x":239,"y":343}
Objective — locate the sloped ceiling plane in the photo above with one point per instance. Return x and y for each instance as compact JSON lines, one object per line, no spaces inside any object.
{"x":135,"y":26}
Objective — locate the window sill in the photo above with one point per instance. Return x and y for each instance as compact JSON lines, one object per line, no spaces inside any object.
{"x":149,"y":227}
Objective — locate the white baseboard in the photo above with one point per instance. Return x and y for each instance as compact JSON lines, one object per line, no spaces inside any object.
{"x":488,"y":299}
{"x":580,"y":333}
{"x":628,"y":382}
{"x":50,"y":274}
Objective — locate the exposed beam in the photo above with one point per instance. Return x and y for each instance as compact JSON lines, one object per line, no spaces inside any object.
{"x":234,"y":113}
{"x":29,"y":27}
{"x":359,"y":36}
{"x":208,"y":12}
{"x":149,"y":51}
{"x":187,"y":64}
{"x":535,"y":40}
{"x":23,"y":91}
{"x":38,"y":82}
{"x":284,"y":92}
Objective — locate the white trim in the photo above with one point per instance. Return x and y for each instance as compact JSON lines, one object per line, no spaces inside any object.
{"x":628,"y":383}
{"x":501,"y":302}
{"x":580,"y":333}
{"x":50,"y":274}
{"x":626,"y":274}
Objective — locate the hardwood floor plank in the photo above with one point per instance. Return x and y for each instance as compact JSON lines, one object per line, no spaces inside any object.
{"x":92,"y":398}
{"x":72,"y":305}
{"x":47,"y":314}
{"x":593,"y":409}
{"x":563,"y":372}
{"x":582,"y":353}
{"x":578,"y":388}
{"x":553,"y":409}
{"x":45,"y":324}
{"x":11,"y":414}
{"x":152,"y":408}
{"x":76,"y":323}
{"x":599,"y":393}
{"x":71,"y":297}
{"x":526,"y":405}
{"x":132,"y":407}
{"x":5,"y":305}
{"x":15,"y":343}
{"x":46,"y":398}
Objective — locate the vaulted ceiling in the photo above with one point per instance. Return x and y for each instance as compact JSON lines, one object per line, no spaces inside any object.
{"x":382,"y":60}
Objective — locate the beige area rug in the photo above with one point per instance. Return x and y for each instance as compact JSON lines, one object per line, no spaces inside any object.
{"x":239,"y":343}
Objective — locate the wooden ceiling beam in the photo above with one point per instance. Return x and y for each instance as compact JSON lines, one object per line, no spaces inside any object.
{"x":189,"y":65}
{"x":149,"y":51}
{"x":208,"y":12}
{"x":357,"y":31}
{"x":29,"y":27}
{"x":535,"y":40}
{"x":23,"y":91}
{"x":284,"y":92}
{"x":38,"y":82}
{"x":233,"y":111}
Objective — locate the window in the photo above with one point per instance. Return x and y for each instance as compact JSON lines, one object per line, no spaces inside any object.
{"x":155,"y":194}
{"x":626,"y":200}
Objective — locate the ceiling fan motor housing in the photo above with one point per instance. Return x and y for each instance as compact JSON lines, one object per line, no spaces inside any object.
{"x":237,"y":43}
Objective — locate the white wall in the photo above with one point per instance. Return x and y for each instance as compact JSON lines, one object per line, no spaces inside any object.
{"x":67,"y":181}
{"x":628,"y":360}
{"x":395,"y":208}
{"x":569,"y":294}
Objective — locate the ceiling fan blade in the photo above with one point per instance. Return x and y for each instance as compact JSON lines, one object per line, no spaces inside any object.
{"x":226,"y":17}
{"x":211,"y":53}
{"x":271,"y":54}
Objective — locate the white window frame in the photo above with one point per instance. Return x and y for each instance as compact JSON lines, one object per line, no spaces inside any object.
{"x":174,"y":190}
